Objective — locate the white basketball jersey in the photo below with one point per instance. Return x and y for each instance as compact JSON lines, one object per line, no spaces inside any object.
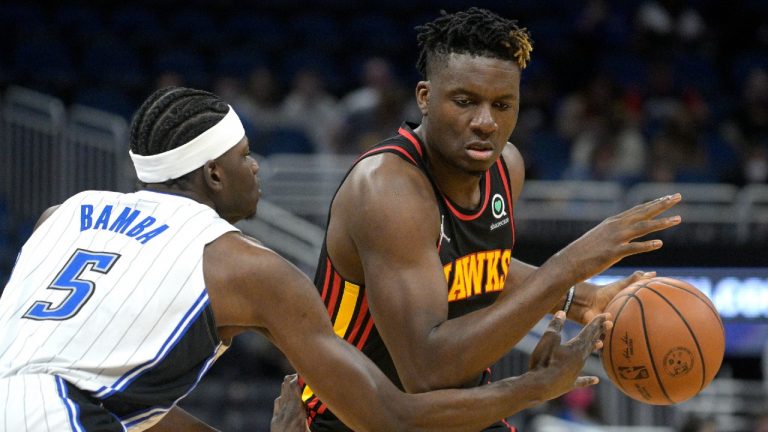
{"x":108,"y":294}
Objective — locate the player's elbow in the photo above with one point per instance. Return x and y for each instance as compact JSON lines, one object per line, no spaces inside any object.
{"x":422,"y":380}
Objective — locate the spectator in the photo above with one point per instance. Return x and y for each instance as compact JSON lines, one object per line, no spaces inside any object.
{"x":311,"y":107}
{"x":609,"y":148}
{"x":260,"y":101}
{"x":749,"y":128}
{"x":677,"y":152}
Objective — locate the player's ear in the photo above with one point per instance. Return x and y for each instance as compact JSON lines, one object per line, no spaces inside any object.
{"x":422,"y":96}
{"x":212,"y":175}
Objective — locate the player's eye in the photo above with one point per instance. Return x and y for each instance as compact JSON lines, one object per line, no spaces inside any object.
{"x":462,"y":102}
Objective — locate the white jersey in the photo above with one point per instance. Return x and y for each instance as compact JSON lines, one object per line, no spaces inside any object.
{"x":108,"y":294}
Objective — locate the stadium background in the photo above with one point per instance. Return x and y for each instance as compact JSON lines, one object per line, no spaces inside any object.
{"x":622,"y":100}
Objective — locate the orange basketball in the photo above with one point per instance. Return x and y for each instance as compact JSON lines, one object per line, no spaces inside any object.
{"x":667,"y":341}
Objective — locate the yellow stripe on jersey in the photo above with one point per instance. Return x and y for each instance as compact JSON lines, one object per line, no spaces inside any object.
{"x":346,"y":308}
{"x":306,"y":394}
{"x":343,"y":318}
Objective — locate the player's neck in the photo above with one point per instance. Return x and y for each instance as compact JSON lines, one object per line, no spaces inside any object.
{"x":460,"y":185}
{"x":174,"y":189}
{"x":463,"y":188}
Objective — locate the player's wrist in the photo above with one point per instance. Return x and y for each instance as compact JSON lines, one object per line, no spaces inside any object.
{"x":535,"y":386}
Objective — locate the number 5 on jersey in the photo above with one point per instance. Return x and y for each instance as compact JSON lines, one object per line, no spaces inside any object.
{"x":68,"y":279}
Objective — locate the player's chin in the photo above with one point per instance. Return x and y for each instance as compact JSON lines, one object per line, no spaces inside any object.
{"x":478,"y":167}
{"x":252,"y":212}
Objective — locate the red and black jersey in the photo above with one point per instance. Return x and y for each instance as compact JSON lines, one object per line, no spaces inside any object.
{"x":475,"y":248}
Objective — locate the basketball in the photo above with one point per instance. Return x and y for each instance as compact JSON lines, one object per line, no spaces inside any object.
{"x":667,"y":341}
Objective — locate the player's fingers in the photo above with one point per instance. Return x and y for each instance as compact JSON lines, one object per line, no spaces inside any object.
{"x":290,"y":384}
{"x":548,"y":342}
{"x":557,"y":322}
{"x":590,"y":334}
{"x":655,"y":207}
{"x":634,"y":248}
{"x":586,"y":381}
{"x":636,"y":276}
{"x":645,"y":227}
{"x":598,"y":345}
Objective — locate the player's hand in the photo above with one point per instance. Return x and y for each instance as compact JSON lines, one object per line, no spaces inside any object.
{"x":562,"y":363}
{"x":601,"y":295}
{"x":611,"y":240}
{"x":289,"y":414}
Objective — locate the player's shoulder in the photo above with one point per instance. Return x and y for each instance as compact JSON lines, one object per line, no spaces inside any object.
{"x":512,"y":156}
{"x":387,"y":175}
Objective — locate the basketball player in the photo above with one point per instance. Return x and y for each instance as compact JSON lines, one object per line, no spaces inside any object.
{"x":119,"y":303}
{"x":417,"y":268}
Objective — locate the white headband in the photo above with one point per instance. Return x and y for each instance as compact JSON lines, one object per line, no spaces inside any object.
{"x":192,"y":155}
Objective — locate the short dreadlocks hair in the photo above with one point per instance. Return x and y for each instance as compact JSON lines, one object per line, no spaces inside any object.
{"x":478,"y":32}
{"x":171,"y":117}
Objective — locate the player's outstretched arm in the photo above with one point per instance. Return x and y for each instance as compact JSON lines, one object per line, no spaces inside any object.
{"x":179,"y":420}
{"x":252,"y":287}
{"x":388,"y":209}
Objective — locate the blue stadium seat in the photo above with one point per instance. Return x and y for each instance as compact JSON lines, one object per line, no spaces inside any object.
{"x":627,"y":70}
{"x":696,"y":71}
{"x":318,"y":32}
{"x":80,"y":23}
{"x":239,"y":62}
{"x":295,"y":61}
{"x":107,"y":99}
{"x":138,"y":25}
{"x":379,"y":34}
{"x":21,"y":16}
{"x":550,"y":154}
{"x":282,"y":140}
{"x":109,"y":61}
{"x":745,"y":63}
{"x":44,"y":60}
{"x":263,"y":30}
{"x":195,"y":28}
{"x":186,"y":63}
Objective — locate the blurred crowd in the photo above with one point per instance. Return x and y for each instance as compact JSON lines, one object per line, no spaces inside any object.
{"x":642,"y":90}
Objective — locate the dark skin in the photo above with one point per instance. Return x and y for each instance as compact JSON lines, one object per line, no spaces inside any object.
{"x":251,"y":288}
{"x":469,"y":107}
{"x":289,"y":413}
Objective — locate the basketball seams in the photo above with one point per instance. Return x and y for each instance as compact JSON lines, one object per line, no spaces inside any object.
{"x":668,"y":290}
{"x":610,"y":351}
{"x":690,"y":330}
{"x":698,"y":294}
{"x":648,"y":346}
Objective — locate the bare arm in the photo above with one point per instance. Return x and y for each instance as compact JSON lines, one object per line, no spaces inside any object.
{"x":46,"y":214}
{"x":589,"y":299}
{"x":394,"y":225}
{"x":179,"y":420}
{"x":253,"y":287}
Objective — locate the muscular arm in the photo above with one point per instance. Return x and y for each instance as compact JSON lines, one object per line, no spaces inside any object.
{"x":179,"y":420}
{"x":253,"y":287}
{"x":388,"y":210}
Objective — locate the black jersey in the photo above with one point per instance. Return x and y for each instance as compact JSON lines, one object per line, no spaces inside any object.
{"x":475,"y":248}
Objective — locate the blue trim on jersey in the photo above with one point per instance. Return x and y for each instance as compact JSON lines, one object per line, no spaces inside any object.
{"x":151,"y":412}
{"x":73,"y":411}
{"x":185,"y":323}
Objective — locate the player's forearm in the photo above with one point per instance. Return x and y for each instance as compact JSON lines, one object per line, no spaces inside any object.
{"x":459,"y":349}
{"x":519,"y":270}
{"x":366,"y":400}
{"x":179,"y":420}
{"x":474,"y":409}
